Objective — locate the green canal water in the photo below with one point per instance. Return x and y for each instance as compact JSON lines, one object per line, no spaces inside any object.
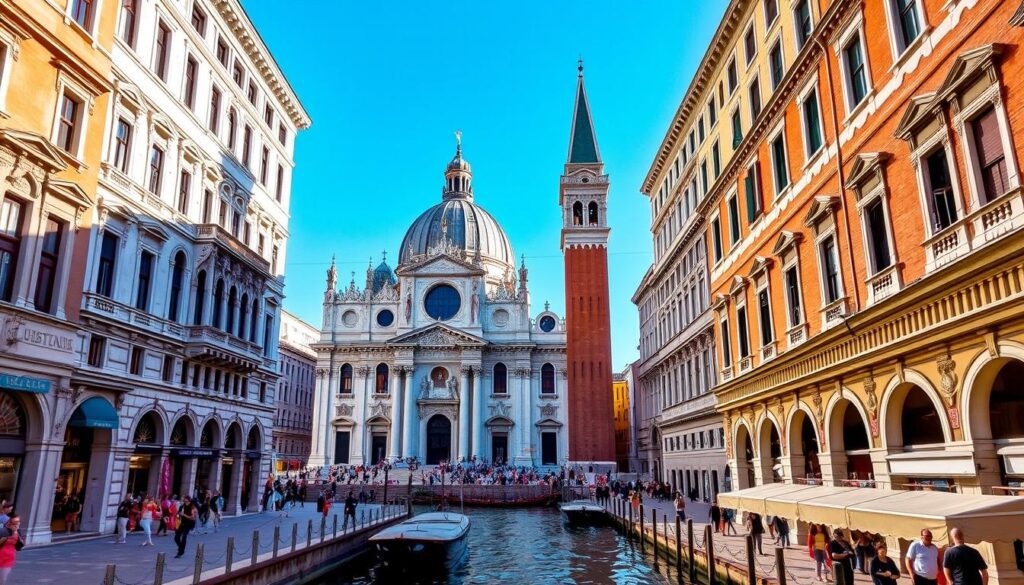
{"x":526,"y":547}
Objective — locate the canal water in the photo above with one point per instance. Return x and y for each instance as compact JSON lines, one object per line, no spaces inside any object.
{"x":526,"y":547}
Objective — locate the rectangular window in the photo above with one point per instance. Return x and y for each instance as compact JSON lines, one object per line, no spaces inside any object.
{"x":752,"y":189}
{"x":145,"y":280}
{"x":251,"y":93}
{"x":741,"y":331}
{"x":940,"y":191}
{"x":222,"y":52}
{"x":812,"y":123}
{"x":232,"y":125}
{"x":10,"y":244}
{"x":237,"y":74}
{"x":988,"y":144}
{"x":247,"y":146}
{"x":48,"y":257}
{"x":199,"y":20}
{"x":737,"y":130}
{"x":700,"y":129}
{"x":733,"y":76}
{"x":726,"y":344}
{"x":167,"y":371}
{"x":793,"y":296}
{"x":716,"y":159}
{"x":97,"y":347}
{"x":184,"y":185}
{"x":268,"y":115}
{"x":122,"y":144}
{"x":712,"y":112}
{"x":780,"y":166}
{"x":67,"y":125}
{"x":108,"y":259}
{"x":804,"y":24}
{"x":704,"y":176}
{"x":214,"y":110}
{"x":264,"y":164}
{"x":156,"y":169}
{"x":749,"y":45}
{"x":82,"y":13}
{"x":909,"y":22}
{"x":765,"y":313}
{"x":191,"y":68}
{"x":129,"y":17}
{"x":879,"y":233}
{"x":830,"y":269}
{"x":734,"y":220}
{"x":207,"y":205}
{"x":771,"y":12}
{"x":856,"y":74}
{"x":135,"y":363}
{"x":776,"y":66}
{"x":282,"y":134}
{"x":163,"y":49}
{"x":279,"y":191}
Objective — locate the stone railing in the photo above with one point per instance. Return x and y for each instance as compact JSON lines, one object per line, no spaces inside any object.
{"x":884,"y":284}
{"x":121,"y":312}
{"x":767,"y":351}
{"x":796,"y":335}
{"x":211,"y":232}
{"x":217,"y":338}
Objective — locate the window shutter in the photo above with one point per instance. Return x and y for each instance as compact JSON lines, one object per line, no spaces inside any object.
{"x":748,"y":185}
{"x":986,"y":138}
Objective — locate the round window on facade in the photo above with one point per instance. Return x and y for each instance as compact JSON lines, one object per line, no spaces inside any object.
{"x":385,"y":318}
{"x":349,"y":318}
{"x":442,"y":302}
{"x":547,"y":323}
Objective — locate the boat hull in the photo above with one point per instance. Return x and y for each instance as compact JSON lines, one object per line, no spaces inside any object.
{"x":402,"y":554}
{"x":585,"y":517}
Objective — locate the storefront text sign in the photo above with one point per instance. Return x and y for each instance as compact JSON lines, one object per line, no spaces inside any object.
{"x":45,"y":339}
{"x":24,"y":383}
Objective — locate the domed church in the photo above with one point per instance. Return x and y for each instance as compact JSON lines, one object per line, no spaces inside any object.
{"x":443,"y":358}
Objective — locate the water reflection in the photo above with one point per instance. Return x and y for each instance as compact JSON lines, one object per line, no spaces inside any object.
{"x":523,"y":547}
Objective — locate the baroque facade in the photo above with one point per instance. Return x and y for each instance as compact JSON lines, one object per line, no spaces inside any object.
{"x":293,"y":420}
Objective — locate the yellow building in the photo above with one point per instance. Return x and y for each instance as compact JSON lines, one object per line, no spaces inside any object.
{"x":620,"y":395}
{"x":55,"y":72}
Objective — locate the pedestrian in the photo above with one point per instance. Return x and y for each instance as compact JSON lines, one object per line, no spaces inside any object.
{"x":865,"y":550}
{"x":172,"y":514}
{"x":216,"y":505}
{"x":161,"y":529}
{"x":882,"y":568}
{"x":6,"y":509}
{"x":922,"y":560}
{"x":72,"y":507}
{"x":730,"y":522}
{"x":755,"y":527}
{"x":186,"y":522}
{"x":680,"y":504}
{"x":327,"y":510}
{"x":841,"y":552}
{"x":961,"y":564}
{"x":123,"y":510}
{"x":818,"y":542}
{"x":10,"y":543}
{"x":715,"y":515}
{"x":781,"y":531}
{"x":320,"y":499}
{"x":149,"y":511}
{"x":349,"y":511}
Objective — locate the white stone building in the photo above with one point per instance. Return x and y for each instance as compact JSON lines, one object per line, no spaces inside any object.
{"x":293,"y":420}
{"x":184,"y":281}
{"x":442,"y":358}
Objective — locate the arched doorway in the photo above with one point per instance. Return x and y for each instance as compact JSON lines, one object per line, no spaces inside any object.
{"x":181,"y":437}
{"x":654,"y":453}
{"x":228,"y":463}
{"x":251,"y":468}
{"x":13,"y":430}
{"x":207,"y":464}
{"x":804,"y":448}
{"x":744,"y":458}
{"x":439,"y":439}
{"x":770,"y":452}
{"x":996,"y":413}
{"x":919,"y":420}
{"x":848,"y":444}
{"x":84,"y":467}
{"x":915,"y":431}
{"x":143,"y":465}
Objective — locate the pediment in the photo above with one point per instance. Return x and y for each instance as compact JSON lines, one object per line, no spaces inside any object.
{"x":969,"y":66}
{"x":918,"y":108}
{"x":821,"y":205}
{"x":35,"y":147}
{"x":549,"y":423}
{"x":785,"y":241}
{"x":438,"y":335}
{"x":71,"y":192}
{"x":759,"y":265}
{"x":499,"y":421}
{"x":865,"y":166}
{"x":442,"y":264}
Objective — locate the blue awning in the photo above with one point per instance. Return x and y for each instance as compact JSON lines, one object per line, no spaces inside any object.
{"x":95,"y":413}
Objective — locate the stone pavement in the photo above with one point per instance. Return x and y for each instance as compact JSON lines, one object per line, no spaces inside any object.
{"x":84,"y":562}
{"x":799,"y":565}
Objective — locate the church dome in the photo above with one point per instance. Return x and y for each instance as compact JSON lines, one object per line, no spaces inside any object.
{"x":383,"y":275}
{"x":463,"y":223}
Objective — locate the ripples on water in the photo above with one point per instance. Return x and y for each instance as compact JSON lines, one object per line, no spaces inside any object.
{"x":524,"y":547}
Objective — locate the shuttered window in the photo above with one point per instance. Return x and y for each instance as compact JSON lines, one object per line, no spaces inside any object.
{"x":991,"y":160}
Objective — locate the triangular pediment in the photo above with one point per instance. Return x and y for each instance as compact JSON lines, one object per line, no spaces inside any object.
{"x":71,"y":192}
{"x":785,"y":241}
{"x":821,"y":205}
{"x":35,"y":147}
{"x":916,"y":111}
{"x":866,"y":164}
{"x":441,"y":264}
{"x":438,"y":335}
{"x":968,"y":66}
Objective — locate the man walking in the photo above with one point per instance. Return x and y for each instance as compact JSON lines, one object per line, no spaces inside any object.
{"x":123,"y":510}
{"x":350,"y":511}
{"x":842,"y":555}
{"x":680,"y":507}
{"x":186,"y":522}
{"x":962,"y":564}
{"x":756,"y":527}
{"x":922,"y":560}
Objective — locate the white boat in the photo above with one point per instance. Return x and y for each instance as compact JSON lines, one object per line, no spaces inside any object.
{"x":433,"y":539}
{"x":583,"y":512}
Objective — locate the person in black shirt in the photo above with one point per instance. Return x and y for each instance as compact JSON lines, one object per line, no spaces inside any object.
{"x":883,"y":570}
{"x":842,"y":557}
{"x":756,"y":526}
{"x":350,"y":511}
{"x":186,"y":522}
{"x":962,"y":564}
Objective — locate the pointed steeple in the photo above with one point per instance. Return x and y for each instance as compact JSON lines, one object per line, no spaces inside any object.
{"x":582,"y":140}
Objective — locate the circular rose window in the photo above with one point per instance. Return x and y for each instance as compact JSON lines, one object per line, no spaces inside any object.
{"x":442,"y":302}
{"x":385,"y":318}
{"x":547,"y":323}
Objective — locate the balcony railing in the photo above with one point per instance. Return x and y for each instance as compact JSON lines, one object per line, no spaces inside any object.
{"x":884,"y":284}
{"x":796,"y":335}
{"x":832,"y":314}
{"x":211,"y":232}
{"x":126,"y":314}
{"x":767,"y":351}
{"x":215,"y":339}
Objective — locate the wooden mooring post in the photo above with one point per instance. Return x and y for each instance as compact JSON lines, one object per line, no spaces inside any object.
{"x":709,"y":550}
{"x":693,"y":555}
{"x":780,"y":563}
{"x":751,"y":568}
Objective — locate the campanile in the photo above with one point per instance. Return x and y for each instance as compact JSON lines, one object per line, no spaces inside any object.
{"x":583,"y":196}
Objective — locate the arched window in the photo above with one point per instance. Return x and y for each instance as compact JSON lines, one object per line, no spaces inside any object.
{"x":255,"y":320}
{"x":218,"y":300}
{"x":232,"y":303}
{"x":500,"y":379}
{"x":177,"y":276}
{"x":232,"y":123}
{"x":577,"y":213}
{"x":346,"y":380}
{"x":243,"y":315}
{"x":197,"y":319}
{"x":381,"y":386}
{"x":592,"y":213}
{"x":547,"y":379}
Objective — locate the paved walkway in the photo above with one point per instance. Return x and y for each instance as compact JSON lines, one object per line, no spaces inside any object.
{"x":85,"y":562}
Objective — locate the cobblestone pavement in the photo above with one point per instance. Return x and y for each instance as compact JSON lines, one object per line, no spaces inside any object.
{"x":84,"y":562}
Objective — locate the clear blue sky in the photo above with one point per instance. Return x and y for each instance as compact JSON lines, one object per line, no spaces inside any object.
{"x":387,"y":83}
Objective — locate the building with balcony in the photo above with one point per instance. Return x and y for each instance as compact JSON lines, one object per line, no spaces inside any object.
{"x":293,"y":421}
{"x":863,"y":205}
{"x":184,"y":278}
{"x":55,"y":72}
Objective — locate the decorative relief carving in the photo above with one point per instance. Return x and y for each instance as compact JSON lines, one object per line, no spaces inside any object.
{"x":869,"y":391}
{"x":344,"y":409}
{"x":503,"y":409}
{"x":549,"y":410}
{"x":362,"y":370}
{"x":948,"y":379}
{"x":429,"y":409}
{"x":521,"y":372}
{"x":727,"y":423}
{"x":321,"y":372}
{"x":382,"y":409}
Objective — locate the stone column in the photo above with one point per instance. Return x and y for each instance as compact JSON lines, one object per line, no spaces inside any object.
{"x":464,"y":421}
{"x":358,"y":429}
{"x":394,"y":442}
{"x":478,"y":413}
{"x":525,"y":393}
{"x":235,"y":504}
{"x":411,"y":423}
{"x":35,"y":494}
{"x":318,"y":454}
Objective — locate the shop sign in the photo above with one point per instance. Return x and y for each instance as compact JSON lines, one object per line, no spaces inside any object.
{"x":253,"y":454}
{"x":24,"y":383}
{"x":195,"y":452}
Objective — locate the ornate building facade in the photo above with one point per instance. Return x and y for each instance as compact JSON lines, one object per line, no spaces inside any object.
{"x":293,"y":420}
{"x":441,"y":358}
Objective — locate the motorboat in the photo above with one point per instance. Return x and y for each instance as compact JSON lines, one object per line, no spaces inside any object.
{"x":583,"y":513}
{"x":433,"y":539}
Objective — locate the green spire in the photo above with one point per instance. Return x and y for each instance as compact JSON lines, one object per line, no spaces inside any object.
{"x":582,"y":141}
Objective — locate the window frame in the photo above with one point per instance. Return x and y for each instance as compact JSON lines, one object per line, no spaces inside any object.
{"x":124,"y":155}
{"x":154,"y":173}
{"x":93,"y":10}
{"x":794,"y":265}
{"x":13,"y":245}
{"x":845,"y":39}
{"x":161,"y":59}
{"x":964,"y":123}
{"x":65,"y":88}
{"x":779,"y":134}
{"x":900,"y":47}
{"x":750,"y":34}
{"x":811,"y":88}
{"x":798,"y":36}
{"x":717,"y":244}
{"x":778,"y":44}
{"x":133,"y":33}
{"x":819,"y":241}
{"x":190,"y":85}
{"x":769,"y":23}
{"x":732,"y":207}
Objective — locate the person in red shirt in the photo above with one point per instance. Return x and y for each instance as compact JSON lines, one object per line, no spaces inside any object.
{"x":10,"y":543}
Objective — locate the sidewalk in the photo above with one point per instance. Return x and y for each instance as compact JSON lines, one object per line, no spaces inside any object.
{"x":85,"y":562}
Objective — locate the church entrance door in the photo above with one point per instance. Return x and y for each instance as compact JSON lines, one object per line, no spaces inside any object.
{"x":439,"y":439}
{"x":378,"y":449}
{"x":499,"y":448}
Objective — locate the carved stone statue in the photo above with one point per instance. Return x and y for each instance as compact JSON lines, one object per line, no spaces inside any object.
{"x":453,"y":387}
{"x":425,"y":387}
{"x":408,"y":307}
{"x":473,"y":304}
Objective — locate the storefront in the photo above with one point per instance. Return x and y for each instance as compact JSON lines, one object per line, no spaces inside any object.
{"x":13,"y":428}
{"x":78,"y":498}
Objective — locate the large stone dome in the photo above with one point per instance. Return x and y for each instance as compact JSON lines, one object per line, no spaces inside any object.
{"x":463,"y":223}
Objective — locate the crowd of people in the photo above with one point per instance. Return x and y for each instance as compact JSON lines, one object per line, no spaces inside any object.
{"x":481,"y":472}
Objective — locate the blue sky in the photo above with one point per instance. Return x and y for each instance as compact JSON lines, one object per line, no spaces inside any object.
{"x":388,"y":83}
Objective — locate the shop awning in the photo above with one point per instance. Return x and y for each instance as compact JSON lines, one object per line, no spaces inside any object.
{"x":95,"y":413}
{"x":900,"y":514}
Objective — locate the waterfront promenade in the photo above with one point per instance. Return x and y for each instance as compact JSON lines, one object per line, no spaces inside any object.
{"x":85,"y":562}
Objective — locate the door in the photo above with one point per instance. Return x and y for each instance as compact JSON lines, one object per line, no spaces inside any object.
{"x":549,"y":448}
{"x":378,"y":448}
{"x":341,"y":440}
{"x":499,"y":448}
{"x":439,"y":439}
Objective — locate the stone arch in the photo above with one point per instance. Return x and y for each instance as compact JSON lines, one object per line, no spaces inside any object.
{"x":744,"y":454}
{"x":977,"y":388}
{"x":215,"y":439}
{"x":803,"y":442}
{"x":769,"y":448}
{"x":188,"y":426}
{"x":254,"y":436}
{"x":155,"y":420}
{"x":891,"y":408}
{"x":233,"y":435}
{"x":849,"y":459}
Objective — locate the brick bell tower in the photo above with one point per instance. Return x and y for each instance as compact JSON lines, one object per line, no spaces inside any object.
{"x":583,"y":195}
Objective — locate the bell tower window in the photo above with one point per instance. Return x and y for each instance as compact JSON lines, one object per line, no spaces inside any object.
{"x":577,"y":213}
{"x":592,"y":213}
